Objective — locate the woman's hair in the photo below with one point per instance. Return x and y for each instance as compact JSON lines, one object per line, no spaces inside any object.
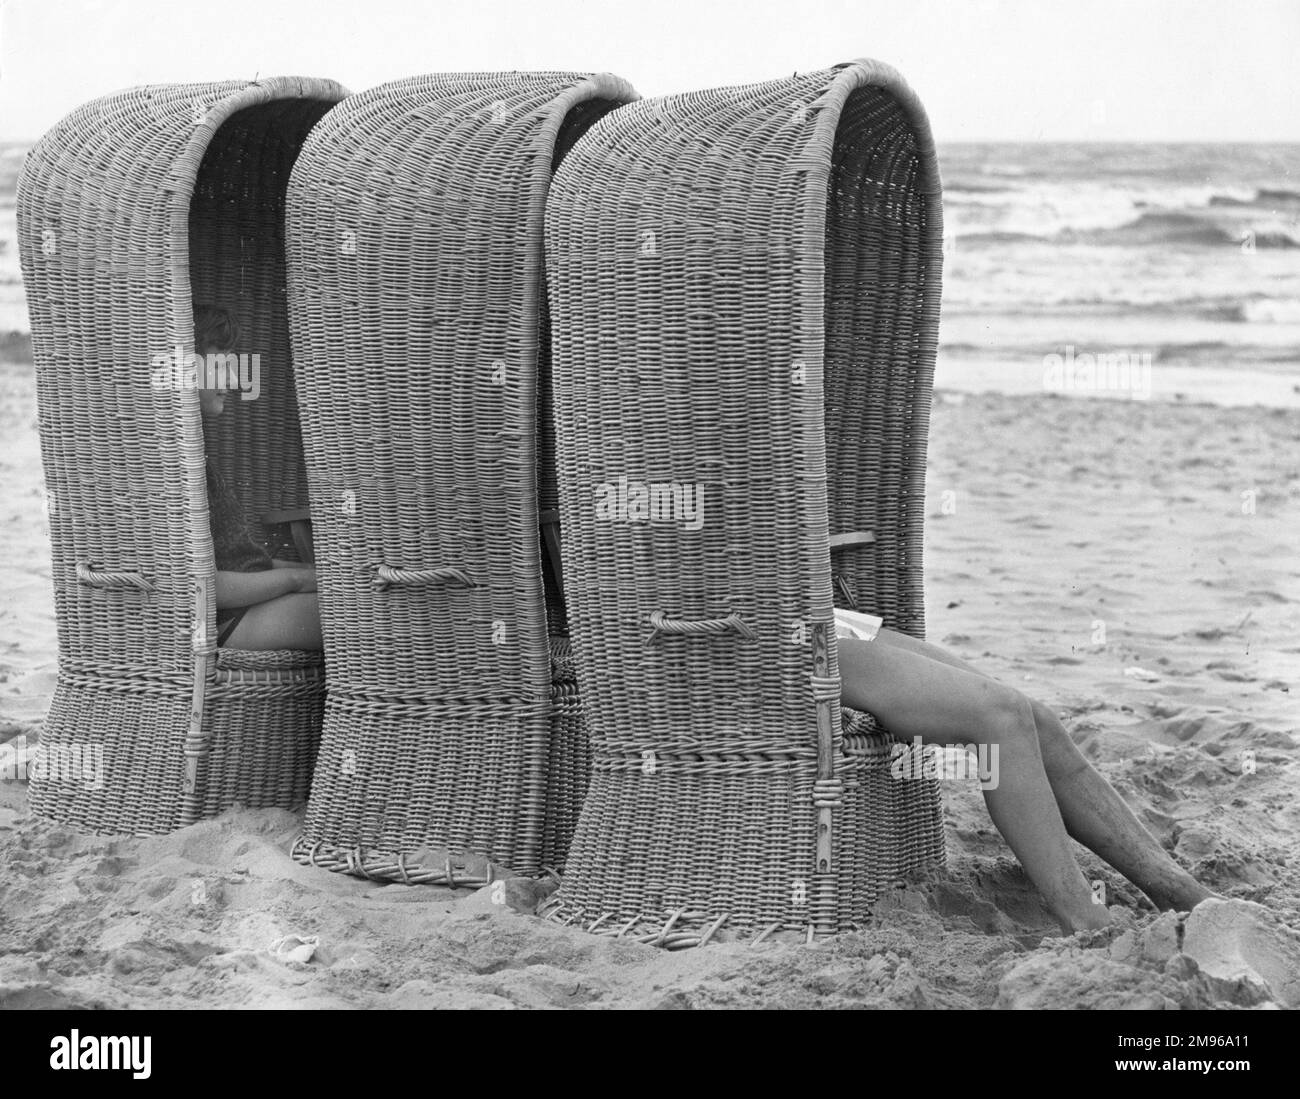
{"x":214,"y":329}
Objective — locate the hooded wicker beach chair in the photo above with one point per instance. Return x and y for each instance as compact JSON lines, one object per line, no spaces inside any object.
{"x":131,"y":209}
{"x":744,"y":288}
{"x":453,"y":749}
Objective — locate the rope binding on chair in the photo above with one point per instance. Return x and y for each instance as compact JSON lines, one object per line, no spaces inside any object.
{"x":389,"y":576}
{"x":98,"y":578}
{"x":697,"y":627}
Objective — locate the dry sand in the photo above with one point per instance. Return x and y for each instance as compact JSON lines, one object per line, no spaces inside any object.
{"x":1071,"y":517}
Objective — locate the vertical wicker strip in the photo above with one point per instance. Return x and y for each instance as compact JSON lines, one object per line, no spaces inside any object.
{"x":744,"y":289}
{"x":453,"y":742}
{"x":129,"y":209}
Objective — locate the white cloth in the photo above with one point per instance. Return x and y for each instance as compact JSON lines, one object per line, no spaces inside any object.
{"x":862,"y":627}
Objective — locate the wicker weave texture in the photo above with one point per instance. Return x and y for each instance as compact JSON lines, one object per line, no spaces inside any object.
{"x":130,"y":209}
{"x":744,"y":288}
{"x":415,"y":215}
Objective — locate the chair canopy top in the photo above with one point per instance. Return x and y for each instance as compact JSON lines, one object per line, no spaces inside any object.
{"x":415,"y":226}
{"x":112,"y":203}
{"x":745,"y":294}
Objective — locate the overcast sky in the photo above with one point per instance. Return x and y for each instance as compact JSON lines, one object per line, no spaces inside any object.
{"x":1104,"y":70}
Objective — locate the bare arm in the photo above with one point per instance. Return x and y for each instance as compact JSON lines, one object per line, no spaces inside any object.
{"x":245,"y":589}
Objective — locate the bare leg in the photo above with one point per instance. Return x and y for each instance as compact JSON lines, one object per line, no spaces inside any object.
{"x":915,"y":696}
{"x":1093,"y":812}
{"x":288,"y":622}
{"x":1098,"y":818}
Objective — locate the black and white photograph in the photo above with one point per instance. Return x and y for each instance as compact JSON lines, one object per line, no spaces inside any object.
{"x":731,"y":506}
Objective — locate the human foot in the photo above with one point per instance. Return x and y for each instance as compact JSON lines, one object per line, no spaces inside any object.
{"x":1182,"y":896}
{"x":1092,"y":917}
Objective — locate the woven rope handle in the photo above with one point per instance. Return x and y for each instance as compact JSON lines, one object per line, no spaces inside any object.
{"x":102,"y":579}
{"x":386,"y":576}
{"x":697,"y":627}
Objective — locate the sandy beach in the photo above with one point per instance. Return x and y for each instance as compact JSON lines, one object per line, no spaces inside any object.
{"x":1128,"y":562}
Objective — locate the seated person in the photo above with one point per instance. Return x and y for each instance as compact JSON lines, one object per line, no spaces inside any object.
{"x":262,"y":603}
{"x":1046,"y":792}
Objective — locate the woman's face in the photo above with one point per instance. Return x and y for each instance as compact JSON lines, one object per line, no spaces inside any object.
{"x":212,"y":402}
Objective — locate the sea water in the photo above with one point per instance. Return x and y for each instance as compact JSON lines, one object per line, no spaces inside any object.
{"x":1178,"y":263}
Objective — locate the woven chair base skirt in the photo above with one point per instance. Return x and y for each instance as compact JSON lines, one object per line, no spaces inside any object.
{"x":262,"y":750}
{"x":403,"y":824}
{"x":886,"y":827}
{"x":113,"y":755}
{"x":98,"y":752}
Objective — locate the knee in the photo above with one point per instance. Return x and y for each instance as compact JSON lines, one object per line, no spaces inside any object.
{"x":1004,"y":712}
{"x":1060,"y":753}
{"x":1044,"y":716}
